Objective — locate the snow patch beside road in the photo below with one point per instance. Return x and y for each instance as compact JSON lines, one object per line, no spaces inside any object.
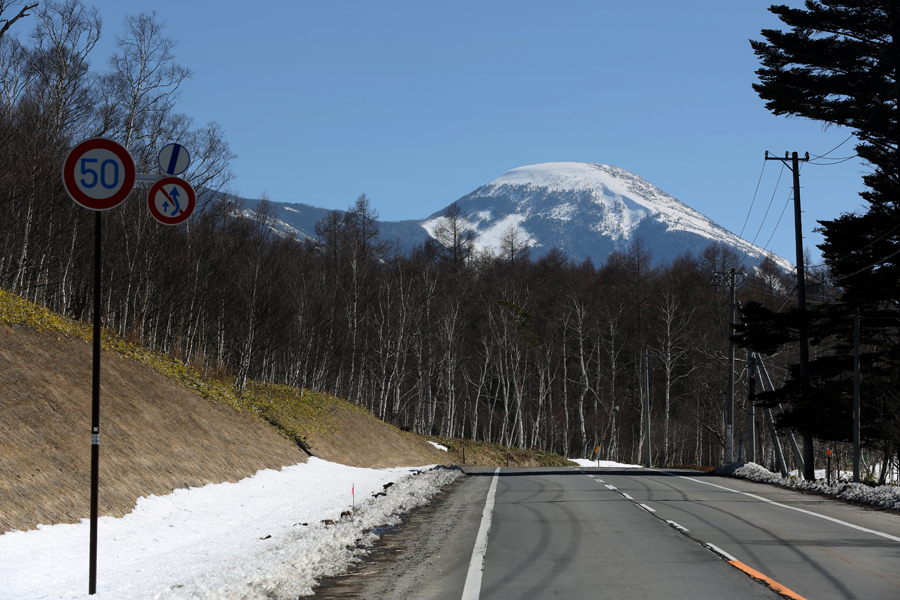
{"x":263,"y":537}
{"x":883,"y":496}
{"x":584,"y":462}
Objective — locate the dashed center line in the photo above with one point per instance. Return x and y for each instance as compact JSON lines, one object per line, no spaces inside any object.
{"x":626,"y":496}
{"x":647,"y":508}
{"x":612,"y":487}
{"x":720,"y":552}
{"x":678,"y":527}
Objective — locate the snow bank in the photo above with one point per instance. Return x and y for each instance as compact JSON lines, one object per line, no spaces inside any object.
{"x":263,"y":537}
{"x":584,"y":462}
{"x":439,"y":446}
{"x":883,"y":496}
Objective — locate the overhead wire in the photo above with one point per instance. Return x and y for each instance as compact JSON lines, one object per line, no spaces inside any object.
{"x":841,"y":144}
{"x":870,"y":266}
{"x":758,"y":181}
{"x":835,"y":161}
{"x":783,"y":210}
{"x":878,"y":239}
{"x":749,"y":245}
{"x":869,"y":118}
{"x":769,"y":207}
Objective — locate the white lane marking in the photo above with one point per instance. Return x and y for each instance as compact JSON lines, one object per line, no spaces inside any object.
{"x":612,"y":487}
{"x":647,"y":508}
{"x":626,"y":496}
{"x":472,"y":589}
{"x":720,"y":552}
{"x":802,"y":510}
{"x":677,"y":526}
{"x":599,"y":480}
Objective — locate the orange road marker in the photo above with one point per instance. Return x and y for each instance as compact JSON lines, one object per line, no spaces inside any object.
{"x":766,"y":580}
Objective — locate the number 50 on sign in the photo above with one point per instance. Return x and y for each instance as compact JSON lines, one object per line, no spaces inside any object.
{"x":99,"y":174}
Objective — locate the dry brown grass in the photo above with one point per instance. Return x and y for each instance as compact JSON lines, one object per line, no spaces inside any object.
{"x":483,"y":454}
{"x":155,"y":435}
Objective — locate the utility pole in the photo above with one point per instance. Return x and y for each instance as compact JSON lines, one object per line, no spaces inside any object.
{"x":716,"y":280}
{"x":770,"y":422}
{"x":809,"y":469}
{"x":647,"y":403}
{"x":751,"y":410}
{"x":798,"y":456}
{"x":857,"y":454}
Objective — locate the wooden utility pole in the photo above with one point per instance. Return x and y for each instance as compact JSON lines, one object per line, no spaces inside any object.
{"x":647,"y":403}
{"x":717,"y":279}
{"x":857,"y":454}
{"x":798,"y":456}
{"x":751,"y":409}
{"x":809,"y":468}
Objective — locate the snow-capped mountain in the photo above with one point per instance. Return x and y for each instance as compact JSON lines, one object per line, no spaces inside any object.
{"x":586,"y":210}
{"x":590,"y":210}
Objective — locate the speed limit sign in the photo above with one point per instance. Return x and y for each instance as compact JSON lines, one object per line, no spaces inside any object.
{"x":99,"y":174}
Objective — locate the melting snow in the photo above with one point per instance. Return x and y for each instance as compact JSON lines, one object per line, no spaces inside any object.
{"x":263,"y":537}
{"x":585,"y":462}
{"x":885,"y":496}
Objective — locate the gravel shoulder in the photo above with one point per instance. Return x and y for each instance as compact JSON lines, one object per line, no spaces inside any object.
{"x":426,"y":556}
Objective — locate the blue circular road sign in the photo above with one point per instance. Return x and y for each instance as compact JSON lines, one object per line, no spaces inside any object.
{"x":174,"y":159}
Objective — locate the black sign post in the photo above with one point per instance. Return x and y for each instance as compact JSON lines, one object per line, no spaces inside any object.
{"x":98,"y":174}
{"x":95,"y":407}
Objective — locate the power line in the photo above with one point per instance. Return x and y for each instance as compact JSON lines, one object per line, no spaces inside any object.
{"x":741,"y":234}
{"x":768,"y":208}
{"x":751,"y":244}
{"x":769,"y":241}
{"x":835,"y":161}
{"x":842,"y":143}
{"x":870,"y":266}
{"x":878,"y":239}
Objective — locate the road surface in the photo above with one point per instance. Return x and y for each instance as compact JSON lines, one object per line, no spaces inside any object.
{"x":630,"y":533}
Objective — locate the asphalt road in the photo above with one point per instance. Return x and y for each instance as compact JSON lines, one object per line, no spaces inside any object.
{"x":602,"y":533}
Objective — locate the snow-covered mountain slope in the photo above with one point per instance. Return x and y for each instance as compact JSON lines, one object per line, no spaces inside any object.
{"x":590,"y":210}
{"x":586,"y":210}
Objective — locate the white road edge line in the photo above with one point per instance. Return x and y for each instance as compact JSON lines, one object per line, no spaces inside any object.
{"x":802,"y":510}
{"x":472,"y":589}
{"x":720,"y":552}
{"x":647,"y":508}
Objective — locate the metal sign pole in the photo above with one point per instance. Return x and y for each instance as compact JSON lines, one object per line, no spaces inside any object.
{"x":95,"y":410}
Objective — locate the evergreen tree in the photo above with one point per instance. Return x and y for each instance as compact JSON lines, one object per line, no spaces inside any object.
{"x":839,"y":63}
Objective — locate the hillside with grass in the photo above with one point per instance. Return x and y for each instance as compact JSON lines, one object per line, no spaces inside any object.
{"x":166,"y":425}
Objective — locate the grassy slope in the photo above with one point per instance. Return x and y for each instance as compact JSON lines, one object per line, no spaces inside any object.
{"x":164,"y":425}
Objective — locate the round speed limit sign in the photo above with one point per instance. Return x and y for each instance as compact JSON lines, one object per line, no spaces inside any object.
{"x":99,"y":174}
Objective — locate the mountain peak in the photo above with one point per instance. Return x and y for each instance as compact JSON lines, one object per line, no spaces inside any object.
{"x":564,"y":176}
{"x":591,"y":209}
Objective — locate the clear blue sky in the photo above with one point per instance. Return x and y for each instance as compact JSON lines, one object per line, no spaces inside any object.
{"x":418,"y":103}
